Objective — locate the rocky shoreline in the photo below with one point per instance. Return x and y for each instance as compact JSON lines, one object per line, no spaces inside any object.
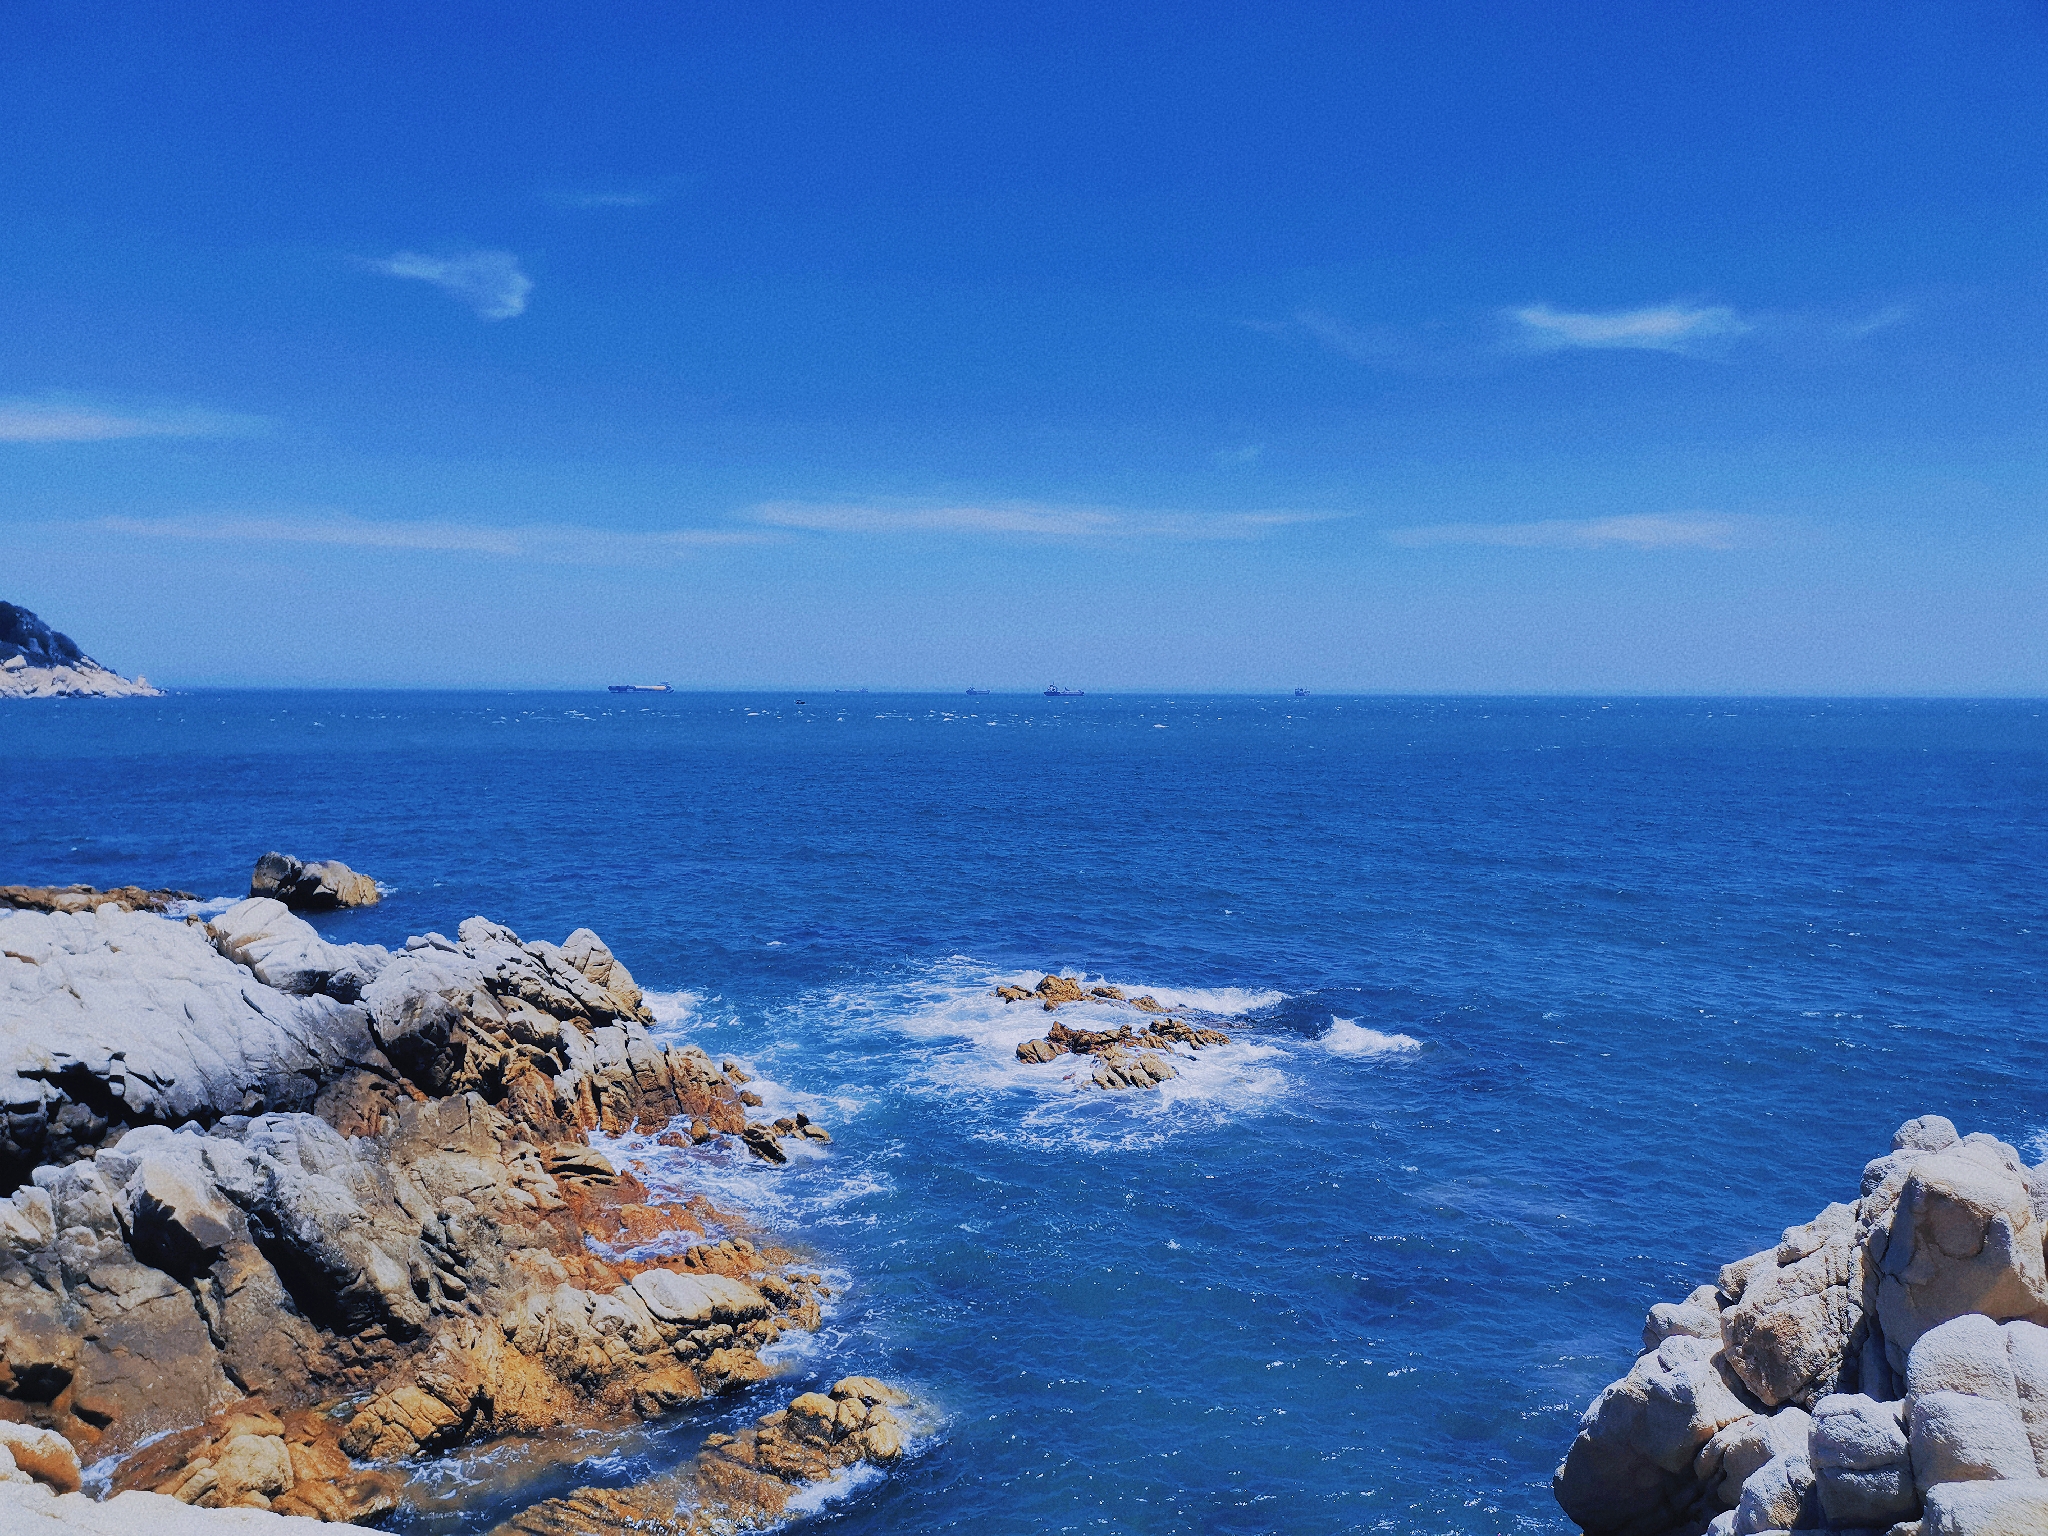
{"x":285,"y":1213}
{"x":38,"y":663}
{"x":1882,"y":1369}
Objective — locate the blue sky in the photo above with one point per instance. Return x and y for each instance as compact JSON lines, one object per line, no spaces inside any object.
{"x":1445,"y":347}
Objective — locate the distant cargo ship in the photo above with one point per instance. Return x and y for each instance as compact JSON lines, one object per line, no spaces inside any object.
{"x":1055,"y":691}
{"x":977,"y":693}
{"x":641,"y":688}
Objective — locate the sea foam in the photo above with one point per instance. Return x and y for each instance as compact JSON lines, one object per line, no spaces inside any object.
{"x":1347,"y":1037}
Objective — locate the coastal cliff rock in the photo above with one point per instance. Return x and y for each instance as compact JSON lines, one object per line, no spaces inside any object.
{"x":111,"y":1019}
{"x":744,"y":1481}
{"x":305,"y":887}
{"x":38,"y":663}
{"x":257,"y":1174}
{"x":1867,"y":1373}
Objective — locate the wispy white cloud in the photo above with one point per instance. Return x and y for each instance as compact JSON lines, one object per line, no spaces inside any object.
{"x":1884,"y":319}
{"x":1657,"y":328}
{"x":555,"y":543}
{"x":52,"y":420}
{"x":616,"y":197}
{"x":1029,"y":519}
{"x":1644,"y":530}
{"x":489,"y":282}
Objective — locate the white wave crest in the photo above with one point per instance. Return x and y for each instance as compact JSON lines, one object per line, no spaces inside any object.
{"x":674,"y":1009}
{"x":1349,"y":1038}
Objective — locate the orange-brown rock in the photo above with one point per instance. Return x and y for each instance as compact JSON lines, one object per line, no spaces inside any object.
{"x":739,"y":1482}
{"x":251,"y":1457}
{"x":1059,"y":989}
{"x":84,"y":898}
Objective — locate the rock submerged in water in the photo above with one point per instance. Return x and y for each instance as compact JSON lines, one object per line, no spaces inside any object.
{"x":304,"y":887}
{"x":1883,"y":1368}
{"x":744,"y":1481}
{"x":1123,"y":1058}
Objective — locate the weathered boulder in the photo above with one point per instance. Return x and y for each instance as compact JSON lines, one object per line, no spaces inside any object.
{"x":112,"y":1019}
{"x":1986,"y":1509}
{"x":1797,"y":1315}
{"x":1739,"y":1449}
{"x":1962,"y":1238}
{"x":285,"y":952}
{"x":41,"y":1454}
{"x":1630,"y":1468}
{"x":1858,"y":1449}
{"x":1781,"y":1495}
{"x":305,"y":887}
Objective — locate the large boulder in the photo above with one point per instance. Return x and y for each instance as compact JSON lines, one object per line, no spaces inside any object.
{"x":1859,"y":1453}
{"x":1986,"y":1509}
{"x":33,"y":1510}
{"x":312,"y":887}
{"x":285,"y":952}
{"x":111,"y":1019}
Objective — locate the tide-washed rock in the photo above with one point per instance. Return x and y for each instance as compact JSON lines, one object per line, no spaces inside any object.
{"x":311,"y":887}
{"x":744,"y":1481}
{"x":1908,"y":1321}
{"x":86,"y":898}
{"x":112,"y":1019}
{"x":41,"y":1454}
{"x":1125,"y":1057}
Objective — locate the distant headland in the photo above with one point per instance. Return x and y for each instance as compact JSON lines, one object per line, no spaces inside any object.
{"x":38,"y":663}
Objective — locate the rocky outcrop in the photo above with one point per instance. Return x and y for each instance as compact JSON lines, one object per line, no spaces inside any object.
{"x":111,"y":1019}
{"x":1122,"y":1058}
{"x":1866,"y":1373}
{"x":305,"y":887}
{"x":1052,"y":991}
{"x":271,"y":1175}
{"x":34,"y":1510}
{"x":38,"y":663}
{"x":744,"y":1481}
{"x":86,"y":898}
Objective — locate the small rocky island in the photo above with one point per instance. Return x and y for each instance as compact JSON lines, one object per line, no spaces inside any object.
{"x":1118,"y":1058}
{"x":1882,"y":1369}
{"x":283,"y":1214}
{"x":38,"y":663}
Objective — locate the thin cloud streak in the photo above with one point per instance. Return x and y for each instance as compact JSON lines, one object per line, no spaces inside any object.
{"x":489,"y":282}
{"x":1643,"y":531}
{"x":553,"y":543}
{"x":617,"y":198}
{"x":1673,"y":327}
{"x":1027,"y":519}
{"x":63,"y":421}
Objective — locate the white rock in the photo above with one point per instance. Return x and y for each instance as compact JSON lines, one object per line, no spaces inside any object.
{"x":679,"y":1298}
{"x":30,"y":1509}
{"x":284,"y":951}
{"x":1779,"y":1496}
{"x":1986,"y":1509}
{"x":1959,"y":1438}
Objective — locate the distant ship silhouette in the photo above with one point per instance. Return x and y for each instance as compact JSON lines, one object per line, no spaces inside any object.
{"x":1055,"y":691}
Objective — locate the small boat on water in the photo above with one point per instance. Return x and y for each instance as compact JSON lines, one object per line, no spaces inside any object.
{"x":977,"y":693}
{"x":1301,"y":693}
{"x":641,"y":688}
{"x":1055,"y":691}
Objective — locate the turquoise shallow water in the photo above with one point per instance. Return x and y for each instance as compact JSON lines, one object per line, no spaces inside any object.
{"x":1543,"y":1010}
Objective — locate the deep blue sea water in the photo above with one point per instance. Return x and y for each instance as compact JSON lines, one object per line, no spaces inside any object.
{"x":1544,"y":1009}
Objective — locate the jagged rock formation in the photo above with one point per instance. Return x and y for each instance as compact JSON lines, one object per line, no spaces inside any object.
{"x":85,"y":898}
{"x":739,"y":1482}
{"x":1868,"y":1373}
{"x":304,"y":887}
{"x":1123,"y":1058}
{"x":38,"y":663}
{"x":259,"y":1172}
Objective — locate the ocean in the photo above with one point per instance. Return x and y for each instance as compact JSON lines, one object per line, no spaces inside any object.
{"x":1541,"y":1010}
